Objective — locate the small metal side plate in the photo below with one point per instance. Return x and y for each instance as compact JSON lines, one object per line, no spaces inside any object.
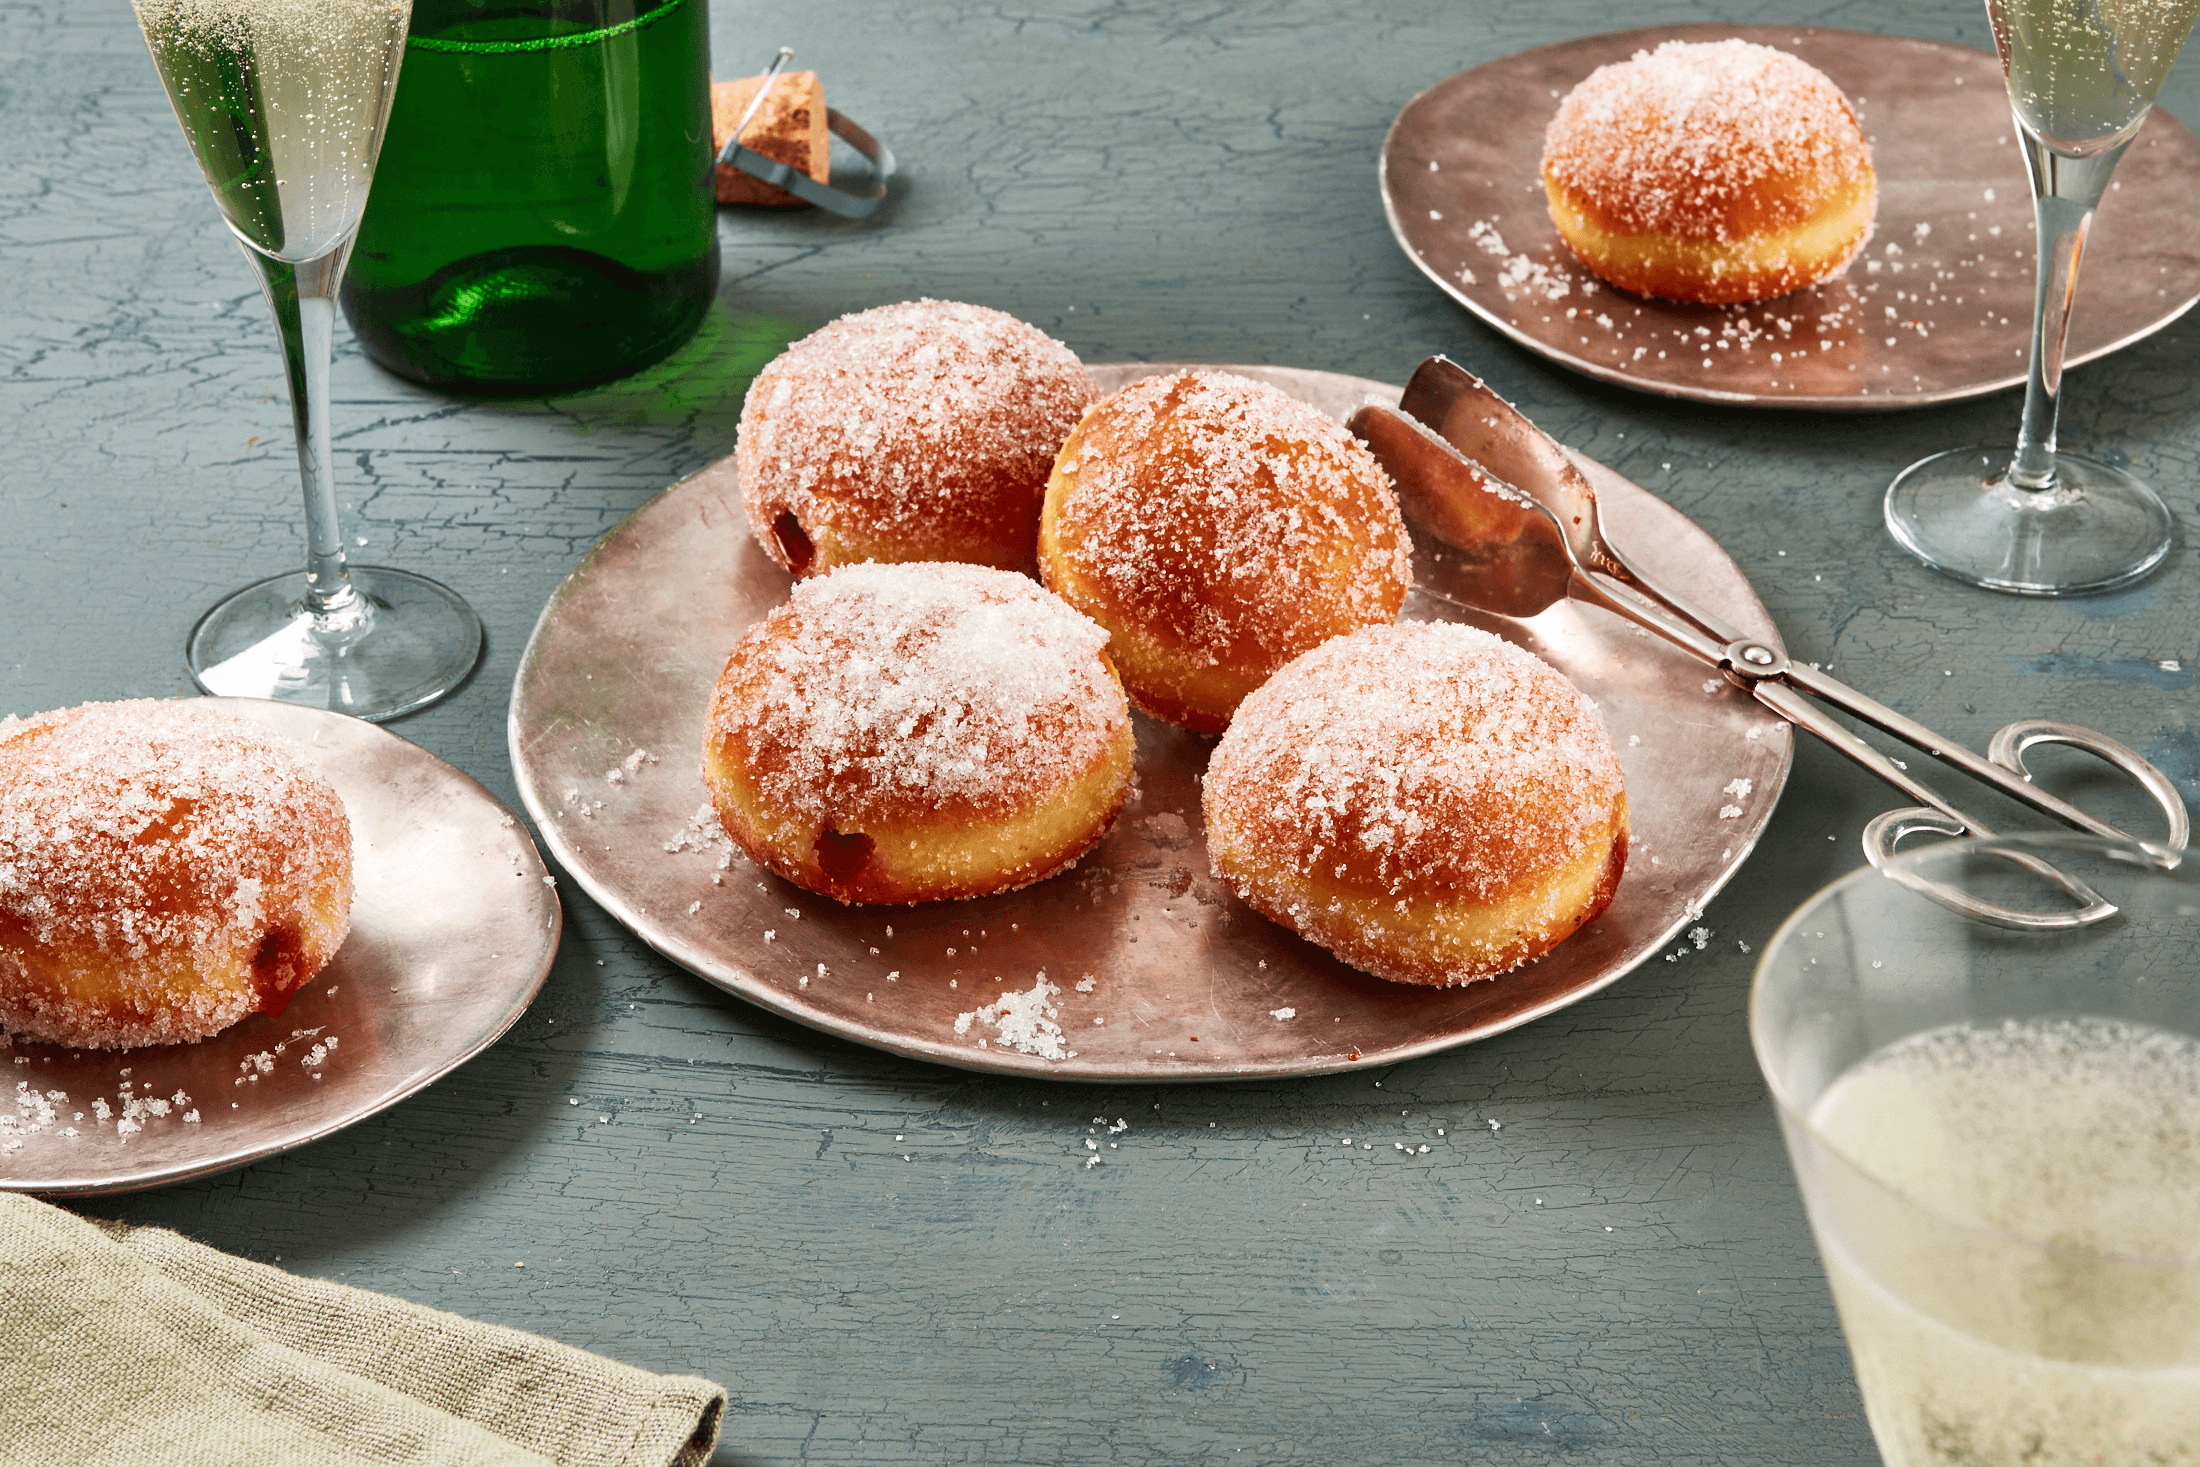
{"x":1937,"y":308}
{"x":1185,"y":982}
{"x":453,"y":927}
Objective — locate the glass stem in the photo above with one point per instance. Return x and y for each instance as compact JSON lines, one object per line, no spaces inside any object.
{"x":302,"y":294}
{"x":2066,"y":190}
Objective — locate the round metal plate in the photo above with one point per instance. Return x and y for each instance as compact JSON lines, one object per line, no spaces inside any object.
{"x":1161,"y":972}
{"x":453,"y":926}
{"x":1937,"y":308}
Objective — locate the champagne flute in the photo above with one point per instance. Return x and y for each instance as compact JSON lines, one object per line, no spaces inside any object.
{"x":2082,"y":76}
{"x":283,"y":103}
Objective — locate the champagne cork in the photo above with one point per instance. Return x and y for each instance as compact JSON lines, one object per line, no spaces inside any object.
{"x":788,"y":128}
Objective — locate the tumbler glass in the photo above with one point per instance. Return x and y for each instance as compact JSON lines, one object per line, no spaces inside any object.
{"x":1997,"y":1136}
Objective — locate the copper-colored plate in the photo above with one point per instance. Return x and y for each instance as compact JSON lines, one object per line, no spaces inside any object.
{"x":1186,"y":982}
{"x":1937,"y":308}
{"x":453,"y":926}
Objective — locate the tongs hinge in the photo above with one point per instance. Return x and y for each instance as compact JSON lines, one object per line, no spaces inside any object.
{"x":1751,"y":661}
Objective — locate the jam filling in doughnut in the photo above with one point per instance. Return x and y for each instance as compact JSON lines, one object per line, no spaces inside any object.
{"x":911,"y":732}
{"x":165,"y":869}
{"x":911,"y":432}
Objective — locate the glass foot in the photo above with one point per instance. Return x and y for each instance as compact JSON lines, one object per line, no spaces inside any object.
{"x":2097,"y":529}
{"x":401,"y":642}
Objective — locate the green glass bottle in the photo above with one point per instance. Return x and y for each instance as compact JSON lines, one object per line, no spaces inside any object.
{"x":543,"y":215}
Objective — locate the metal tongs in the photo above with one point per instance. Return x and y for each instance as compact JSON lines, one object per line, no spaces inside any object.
{"x":1521,"y":520}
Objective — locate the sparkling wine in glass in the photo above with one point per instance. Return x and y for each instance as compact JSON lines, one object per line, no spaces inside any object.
{"x":283,"y":103}
{"x":1994,"y":1131}
{"x":2082,"y":76}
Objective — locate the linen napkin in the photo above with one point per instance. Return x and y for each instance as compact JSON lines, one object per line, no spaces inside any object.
{"x":133,"y":1345}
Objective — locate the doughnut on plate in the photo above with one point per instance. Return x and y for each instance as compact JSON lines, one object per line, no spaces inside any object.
{"x":1153,"y":969}
{"x":1462,"y":186}
{"x":453,"y":927}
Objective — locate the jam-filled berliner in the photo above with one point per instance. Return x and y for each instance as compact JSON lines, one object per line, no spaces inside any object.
{"x":165,"y":870}
{"x":1713,"y":172}
{"x":1428,"y":802}
{"x":1217,"y":528}
{"x":914,"y":732}
{"x":919,"y":431}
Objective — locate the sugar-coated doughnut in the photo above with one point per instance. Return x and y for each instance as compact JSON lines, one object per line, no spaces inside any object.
{"x":1714,"y":172}
{"x":914,"y":732}
{"x":1217,"y":528}
{"x":165,"y":870}
{"x":1428,"y":802}
{"x":919,"y":431}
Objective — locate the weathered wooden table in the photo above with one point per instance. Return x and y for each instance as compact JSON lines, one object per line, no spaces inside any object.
{"x":1600,"y":1257}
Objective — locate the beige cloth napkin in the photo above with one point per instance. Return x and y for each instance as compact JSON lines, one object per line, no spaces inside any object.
{"x":133,"y":1345}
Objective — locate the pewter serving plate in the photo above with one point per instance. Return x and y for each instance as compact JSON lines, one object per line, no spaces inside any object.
{"x":1153,"y":970}
{"x":1938,"y":307}
{"x":453,"y":925}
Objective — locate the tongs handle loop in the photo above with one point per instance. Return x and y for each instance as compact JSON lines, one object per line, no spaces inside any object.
{"x":2006,"y":751}
{"x":1886,"y":831}
{"x":2007,"y":748}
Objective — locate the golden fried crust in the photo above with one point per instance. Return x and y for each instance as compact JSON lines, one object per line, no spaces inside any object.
{"x":1426,"y":939}
{"x":1715,"y":173}
{"x":905,"y":861}
{"x":913,"y":432}
{"x":165,"y":870}
{"x":1431,"y":804}
{"x":907,"y":733}
{"x":1751,"y":268}
{"x":1218,"y":528}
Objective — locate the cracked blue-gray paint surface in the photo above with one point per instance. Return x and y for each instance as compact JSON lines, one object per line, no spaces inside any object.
{"x":1600,"y":1259}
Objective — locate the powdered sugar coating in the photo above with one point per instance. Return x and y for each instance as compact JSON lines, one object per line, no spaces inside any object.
{"x":1224,"y":522}
{"x":165,"y":869}
{"x":917,"y":431}
{"x":1424,"y":761}
{"x":886,"y":693}
{"x":1710,"y":141}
